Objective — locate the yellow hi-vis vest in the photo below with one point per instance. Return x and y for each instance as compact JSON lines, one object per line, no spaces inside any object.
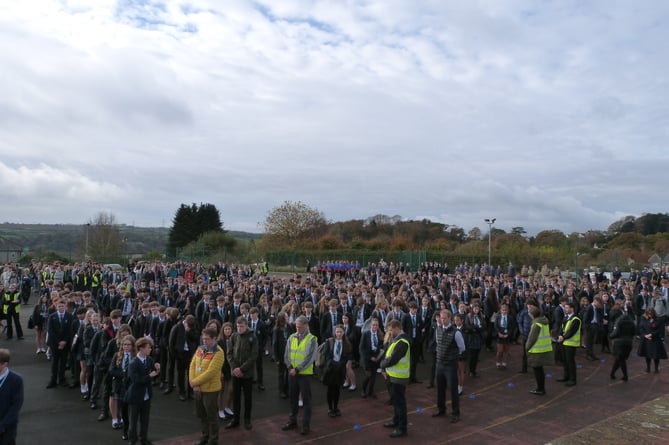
{"x":543,"y":343}
{"x":7,"y":298}
{"x":574,"y":340}
{"x":298,"y":353}
{"x":399,"y":370}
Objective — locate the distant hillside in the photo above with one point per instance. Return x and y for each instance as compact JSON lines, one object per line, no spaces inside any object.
{"x":69,"y":240}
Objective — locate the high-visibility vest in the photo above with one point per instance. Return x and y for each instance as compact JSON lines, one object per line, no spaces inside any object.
{"x":574,"y":340}
{"x":543,"y":343}
{"x":401,"y":369}
{"x":298,"y":352}
{"x":7,"y":298}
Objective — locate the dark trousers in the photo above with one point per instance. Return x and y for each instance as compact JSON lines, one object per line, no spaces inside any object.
{"x":473,"y":359}
{"x":398,"y":396}
{"x":282,"y":377}
{"x":591,"y":338}
{"x":58,"y":362}
{"x":447,"y":376}
{"x":332,"y":396}
{"x":182,"y":361}
{"x":139,"y":411}
{"x":300,"y":384}
{"x":171,"y":364}
{"x":240,"y":385}
{"x":13,"y":319}
{"x":163,"y":359}
{"x":124,"y":414}
{"x":569,"y":364}
{"x":259,"y":366}
{"x":8,"y":437}
{"x":433,"y":368}
{"x":369,"y":381}
{"x":415,"y":353}
{"x":524,"y":366}
{"x":620,"y":360}
{"x":540,"y":377}
{"x":206,"y":409}
{"x":101,"y":384}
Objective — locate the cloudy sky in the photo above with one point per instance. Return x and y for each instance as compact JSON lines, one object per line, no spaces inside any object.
{"x":545,"y":115}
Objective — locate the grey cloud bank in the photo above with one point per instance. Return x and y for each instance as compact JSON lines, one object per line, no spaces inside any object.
{"x":541,"y":115}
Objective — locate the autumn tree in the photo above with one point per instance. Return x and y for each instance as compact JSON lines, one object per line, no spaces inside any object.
{"x":103,"y":240}
{"x":292,"y":221}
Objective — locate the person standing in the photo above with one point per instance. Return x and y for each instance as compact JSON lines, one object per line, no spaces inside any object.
{"x":140,"y":390}
{"x":242,"y":363}
{"x":651,"y":331}
{"x":538,"y":348}
{"x":622,"y":336}
{"x":11,"y":308}
{"x":570,"y":340}
{"x":205,"y":379}
{"x":59,"y":328}
{"x":11,"y":400}
{"x":337,"y":353}
{"x":370,"y":345}
{"x":450,"y":345}
{"x":299,"y":359}
{"x":396,"y":369}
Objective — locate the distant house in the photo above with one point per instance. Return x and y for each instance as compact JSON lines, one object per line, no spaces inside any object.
{"x":10,"y":252}
{"x":655,"y":260}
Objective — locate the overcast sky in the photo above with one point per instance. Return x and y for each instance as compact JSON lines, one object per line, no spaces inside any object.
{"x":545,"y":115}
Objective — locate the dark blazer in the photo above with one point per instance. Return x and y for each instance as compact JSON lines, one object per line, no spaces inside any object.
{"x":11,"y":401}
{"x":139,"y":380}
{"x":326,"y":325}
{"x":58,"y":331}
{"x":366,"y":352}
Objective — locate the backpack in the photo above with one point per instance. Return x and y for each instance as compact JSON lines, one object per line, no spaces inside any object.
{"x":321,"y":354}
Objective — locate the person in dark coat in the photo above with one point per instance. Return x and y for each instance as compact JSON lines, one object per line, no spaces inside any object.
{"x":651,"y":331}
{"x":622,"y":336}
{"x":370,"y":346}
{"x":338,"y":351}
{"x":474,"y":331}
{"x":11,"y":399}
{"x":59,"y":330}
{"x":141,"y":371}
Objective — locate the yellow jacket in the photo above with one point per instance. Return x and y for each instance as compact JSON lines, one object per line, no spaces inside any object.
{"x":205,"y":369}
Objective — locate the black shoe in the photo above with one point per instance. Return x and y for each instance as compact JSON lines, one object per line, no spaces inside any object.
{"x":398,"y":433}
{"x":231,"y":425}
{"x":305,"y":430}
{"x":85,"y":397}
{"x":261,"y":387}
{"x":592,"y":358}
{"x":51,"y":385}
{"x":103,"y":416}
{"x":624,"y":379}
{"x":182,"y":397}
{"x":94,"y":405}
{"x":538,"y":392}
{"x":439,"y":414}
{"x":522,"y":371}
{"x":289,"y":426}
{"x":416,"y":381}
{"x":162,"y":385}
{"x":570,"y":383}
{"x":71,"y":386}
{"x":613,"y":376}
{"x":455,"y":418}
{"x":430,"y":386}
{"x":337,"y":412}
{"x":283,"y":395}
{"x":124,"y":436}
{"x":248,"y":425}
{"x":168,"y":390}
{"x":331,"y":413}
{"x":390,"y":425}
{"x":562,"y":380}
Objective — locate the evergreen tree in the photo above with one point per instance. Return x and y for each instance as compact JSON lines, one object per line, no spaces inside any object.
{"x":190,"y":222}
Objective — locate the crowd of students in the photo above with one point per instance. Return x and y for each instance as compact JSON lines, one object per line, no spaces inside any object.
{"x":171,"y":304}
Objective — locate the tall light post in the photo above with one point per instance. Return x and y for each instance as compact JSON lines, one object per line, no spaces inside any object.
{"x":88,"y":226}
{"x":490,"y":222}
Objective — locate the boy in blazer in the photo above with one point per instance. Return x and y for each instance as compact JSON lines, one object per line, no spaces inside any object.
{"x":141,"y":371}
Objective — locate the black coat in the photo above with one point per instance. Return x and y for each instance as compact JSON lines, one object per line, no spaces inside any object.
{"x":622,"y":335}
{"x":139,"y":381}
